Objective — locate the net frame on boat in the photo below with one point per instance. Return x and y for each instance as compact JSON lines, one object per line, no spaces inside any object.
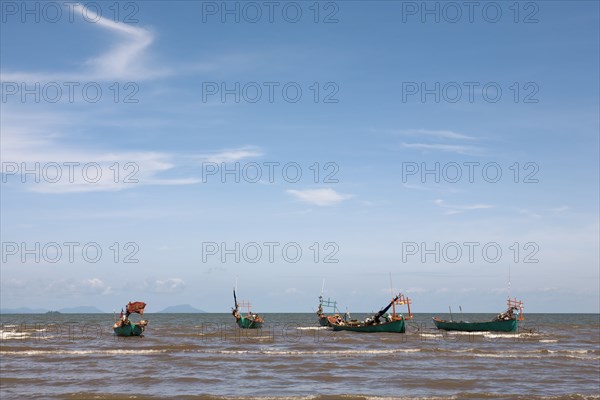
{"x":245,"y":304}
{"x":332,"y":304}
{"x":516,"y":304}
{"x":401,"y":301}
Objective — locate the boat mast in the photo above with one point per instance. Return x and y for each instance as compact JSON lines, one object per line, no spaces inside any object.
{"x":509,"y":281}
{"x":518,"y":304}
{"x":392,"y":294}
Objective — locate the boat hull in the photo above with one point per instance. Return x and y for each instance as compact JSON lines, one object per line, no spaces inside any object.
{"x":490,"y":326}
{"x":128,"y":330}
{"x":397,"y":326}
{"x":323,"y":320}
{"x":246,"y":323}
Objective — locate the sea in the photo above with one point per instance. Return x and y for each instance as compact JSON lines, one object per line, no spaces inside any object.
{"x":205,"y":356}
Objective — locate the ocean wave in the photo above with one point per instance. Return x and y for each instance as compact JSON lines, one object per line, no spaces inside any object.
{"x":13,"y":335}
{"x":81,"y":352}
{"x":589,"y":354}
{"x":315,"y":352}
{"x":584,"y":354}
{"x":462,"y":395}
{"x":312,"y":328}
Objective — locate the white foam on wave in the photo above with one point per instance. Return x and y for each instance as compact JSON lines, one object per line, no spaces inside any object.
{"x":537,"y":353}
{"x":499,"y":355}
{"x":499,"y":336}
{"x":508,"y":335}
{"x":81,"y":352}
{"x":581,"y":354}
{"x":582,"y":351}
{"x":540,"y":353}
{"x":259,"y":337}
{"x":433,"y":335}
{"x":312,"y":328}
{"x":14,"y":335}
{"x":317,"y":352}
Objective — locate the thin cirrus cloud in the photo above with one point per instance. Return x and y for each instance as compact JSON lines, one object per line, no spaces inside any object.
{"x":232,"y":155}
{"x":459,"y":209}
{"x":444,"y":140}
{"x":126,"y":59}
{"x":444,"y":134}
{"x":452,"y":148}
{"x":25,"y":147}
{"x":319,"y":197}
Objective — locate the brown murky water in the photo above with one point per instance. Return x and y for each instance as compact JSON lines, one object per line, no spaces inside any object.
{"x":206,"y":356}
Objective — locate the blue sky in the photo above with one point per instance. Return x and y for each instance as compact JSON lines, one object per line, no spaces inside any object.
{"x":371,"y":129}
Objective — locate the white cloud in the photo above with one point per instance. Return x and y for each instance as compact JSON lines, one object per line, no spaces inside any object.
{"x":29,"y":141}
{"x":451,"y":148}
{"x":529,"y":213}
{"x":95,"y":171}
{"x":232,"y":155}
{"x":171,"y":285}
{"x":126,"y":59}
{"x":544,"y":212}
{"x":96,"y":285}
{"x":320,"y":197}
{"x":444,"y":134}
{"x":438,"y":140}
{"x":458,"y":209}
{"x":92,"y":286}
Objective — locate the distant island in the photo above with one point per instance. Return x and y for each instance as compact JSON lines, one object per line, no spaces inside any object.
{"x":181,"y":309}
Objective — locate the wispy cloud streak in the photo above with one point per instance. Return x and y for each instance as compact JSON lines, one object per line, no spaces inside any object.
{"x":126,"y":60}
{"x":320,"y":197}
{"x":459,"y":209}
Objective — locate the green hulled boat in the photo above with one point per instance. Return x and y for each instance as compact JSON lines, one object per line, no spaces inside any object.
{"x":396,"y":326}
{"x":248,"y":321}
{"x":124,"y":327}
{"x":504,"y":322}
{"x":464,"y":326}
{"x":324,"y":319}
{"x":380,"y":322}
{"x":130,"y":329}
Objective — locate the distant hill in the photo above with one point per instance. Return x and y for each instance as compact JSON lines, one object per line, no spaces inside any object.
{"x":81,"y":310}
{"x":182,"y":309}
{"x":23,"y":310}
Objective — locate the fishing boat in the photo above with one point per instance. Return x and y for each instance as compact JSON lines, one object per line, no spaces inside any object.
{"x":381,"y":321}
{"x":504,"y":322}
{"x":124,"y":326}
{"x":248,"y":321}
{"x":324,"y":319}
